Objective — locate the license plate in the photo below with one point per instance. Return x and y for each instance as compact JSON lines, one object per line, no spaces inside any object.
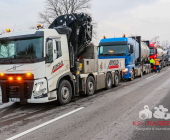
{"x":15,"y":100}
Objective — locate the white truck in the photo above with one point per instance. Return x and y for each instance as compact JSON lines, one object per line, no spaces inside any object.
{"x":45,"y":65}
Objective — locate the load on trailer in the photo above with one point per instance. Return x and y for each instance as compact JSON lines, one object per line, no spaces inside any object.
{"x":133,"y":50}
{"x":57,"y":63}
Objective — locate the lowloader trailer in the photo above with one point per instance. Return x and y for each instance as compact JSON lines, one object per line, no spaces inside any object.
{"x":57,"y":63}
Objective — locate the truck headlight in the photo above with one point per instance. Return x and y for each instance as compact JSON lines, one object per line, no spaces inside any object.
{"x":38,"y":91}
{"x":38,"y":85}
{"x":125,"y":70}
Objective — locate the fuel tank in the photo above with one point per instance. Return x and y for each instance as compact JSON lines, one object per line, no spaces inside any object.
{"x":145,"y":51}
{"x":159,"y":53}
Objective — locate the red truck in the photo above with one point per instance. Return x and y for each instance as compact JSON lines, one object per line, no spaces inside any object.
{"x":153,"y":52}
{"x":159,"y":53}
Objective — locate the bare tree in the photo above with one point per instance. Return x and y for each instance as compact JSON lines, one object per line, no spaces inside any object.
{"x":3,"y":31}
{"x":165,"y":44}
{"x":55,"y":8}
{"x":156,"y":39}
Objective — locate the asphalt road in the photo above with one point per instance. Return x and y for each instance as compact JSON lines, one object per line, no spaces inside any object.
{"x":108,"y":115}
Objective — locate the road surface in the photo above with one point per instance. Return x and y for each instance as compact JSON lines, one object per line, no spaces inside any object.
{"x":108,"y":115}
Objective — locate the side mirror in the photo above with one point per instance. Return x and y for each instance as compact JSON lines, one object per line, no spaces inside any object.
{"x":49,"y":51}
{"x":131,"y":49}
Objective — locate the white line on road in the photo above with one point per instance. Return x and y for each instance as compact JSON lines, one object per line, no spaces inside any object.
{"x":44,"y":124}
{"x":151,"y":76}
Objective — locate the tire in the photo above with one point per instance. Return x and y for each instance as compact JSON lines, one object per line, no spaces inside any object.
{"x":90,"y":86}
{"x":149,"y":69}
{"x":109,"y":81}
{"x":132,"y":76}
{"x":64,"y":93}
{"x":116,"y":79}
{"x":141,"y":73}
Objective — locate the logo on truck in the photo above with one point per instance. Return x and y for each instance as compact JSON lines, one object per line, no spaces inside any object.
{"x":113,"y":64}
{"x":57,"y":67}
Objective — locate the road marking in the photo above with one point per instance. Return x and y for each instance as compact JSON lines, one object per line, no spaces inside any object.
{"x":151,"y":76}
{"x":44,"y":124}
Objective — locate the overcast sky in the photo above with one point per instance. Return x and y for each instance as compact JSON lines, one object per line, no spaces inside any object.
{"x":148,"y":18}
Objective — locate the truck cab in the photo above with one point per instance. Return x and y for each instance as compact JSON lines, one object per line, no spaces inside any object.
{"x":153,"y":50}
{"x":30,"y":64}
{"x":130,"y":49}
{"x":118,"y":48}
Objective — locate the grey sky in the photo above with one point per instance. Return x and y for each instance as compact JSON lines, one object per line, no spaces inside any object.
{"x":147,"y":18}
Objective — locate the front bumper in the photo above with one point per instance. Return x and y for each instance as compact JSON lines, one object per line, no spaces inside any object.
{"x":24,"y":91}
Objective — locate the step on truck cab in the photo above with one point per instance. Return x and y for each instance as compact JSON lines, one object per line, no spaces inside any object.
{"x":132,"y":49}
{"x":44,"y":65}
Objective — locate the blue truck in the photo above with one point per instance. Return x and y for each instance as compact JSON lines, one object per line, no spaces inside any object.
{"x":135,"y":52}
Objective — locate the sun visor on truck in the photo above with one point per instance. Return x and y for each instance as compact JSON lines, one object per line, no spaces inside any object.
{"x":113,"y":43}
{"x":20,"y":35}
{"x":63,"y":30}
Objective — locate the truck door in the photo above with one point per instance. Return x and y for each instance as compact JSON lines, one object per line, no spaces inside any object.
{"x":54,"y":62}
{"x":131,"y":54}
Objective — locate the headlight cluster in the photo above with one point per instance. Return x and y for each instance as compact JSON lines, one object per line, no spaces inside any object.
{"x":125,"y":70}
{"x":38,"y":91}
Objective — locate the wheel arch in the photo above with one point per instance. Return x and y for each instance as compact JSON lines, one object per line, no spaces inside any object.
{"x":67,"y":76}
{"x":92,"y":76}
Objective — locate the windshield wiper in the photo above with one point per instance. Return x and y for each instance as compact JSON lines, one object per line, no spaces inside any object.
{"x":120,"y":54}
{"x":107,"y":54}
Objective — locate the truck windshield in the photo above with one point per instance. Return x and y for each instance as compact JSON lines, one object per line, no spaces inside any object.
{"x":151,"y":51}
{"x":117,"y":50}
{"x":29,"y":48}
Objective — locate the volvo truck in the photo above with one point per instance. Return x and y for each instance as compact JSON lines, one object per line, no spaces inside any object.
{"x":58,"y":63}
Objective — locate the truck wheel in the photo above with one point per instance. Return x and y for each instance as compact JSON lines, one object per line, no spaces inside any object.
{"x":141,"y":73}
{"x":64,"y":92}
{"x":108,"y":81}
{"x":149,"y":69}
{"x":132,"y":76}
{"x":90,"y":86}
{"x":116,"y":79}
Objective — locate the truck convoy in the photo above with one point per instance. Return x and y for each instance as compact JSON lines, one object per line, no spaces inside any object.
{"x":132,"y":49}
{"x":57,"y":63}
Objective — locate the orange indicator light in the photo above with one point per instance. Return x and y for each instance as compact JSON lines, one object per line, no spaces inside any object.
{"x":19,"y":78}
{"x":10,"y":78}
{"x":8,"y":30}
{"x":28,"y":74}
{"x":2,"y":74}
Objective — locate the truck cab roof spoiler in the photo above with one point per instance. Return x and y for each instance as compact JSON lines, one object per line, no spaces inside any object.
{"x":113,"y":43}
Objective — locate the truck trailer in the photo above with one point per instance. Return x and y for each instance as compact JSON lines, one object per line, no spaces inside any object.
{"x":168,"y":57}
{"x":57,"y":63}
{"x":132,"y":49}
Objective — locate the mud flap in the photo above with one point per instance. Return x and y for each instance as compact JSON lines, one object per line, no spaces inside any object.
{"x":22,"y":89}
{"x":5,"y":92}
